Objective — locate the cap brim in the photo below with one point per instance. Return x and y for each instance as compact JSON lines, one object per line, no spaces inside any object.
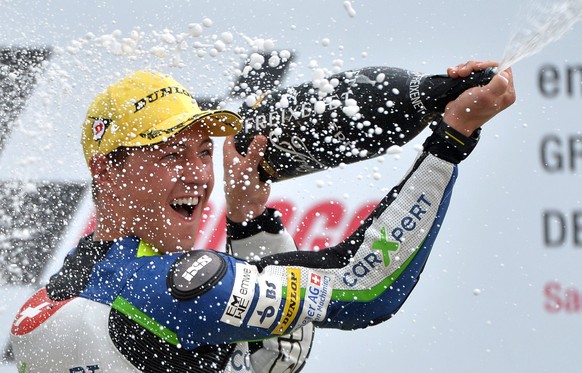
{"x":217,"y":122}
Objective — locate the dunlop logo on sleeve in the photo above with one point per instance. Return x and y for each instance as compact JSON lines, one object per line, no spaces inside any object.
{"x":292,"y":302}
{"x":242,"y":295}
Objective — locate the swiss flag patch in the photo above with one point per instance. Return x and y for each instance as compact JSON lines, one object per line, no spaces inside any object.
{"x":35,"y":311}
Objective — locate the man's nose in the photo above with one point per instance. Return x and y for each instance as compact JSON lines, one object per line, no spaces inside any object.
{"x":195,"y":171}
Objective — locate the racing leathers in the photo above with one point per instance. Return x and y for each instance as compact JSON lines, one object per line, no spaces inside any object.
{"x":115,"y":307}
{"x":260,"y":237}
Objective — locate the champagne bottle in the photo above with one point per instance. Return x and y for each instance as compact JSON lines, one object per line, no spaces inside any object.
{"x":348,"y":117}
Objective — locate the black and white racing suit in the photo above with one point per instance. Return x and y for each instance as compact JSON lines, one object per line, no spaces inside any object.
{"x":264,"y":236}
{"x":114,"y":307}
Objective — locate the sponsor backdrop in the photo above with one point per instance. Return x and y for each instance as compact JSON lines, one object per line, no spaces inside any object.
{"x":502,"y":291}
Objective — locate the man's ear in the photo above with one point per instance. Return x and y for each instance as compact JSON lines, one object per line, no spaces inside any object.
{"x":98,"y":166}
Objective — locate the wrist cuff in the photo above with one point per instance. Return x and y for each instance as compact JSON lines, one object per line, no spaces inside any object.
{"x":449,"y":144}
{"x":269,"y":221}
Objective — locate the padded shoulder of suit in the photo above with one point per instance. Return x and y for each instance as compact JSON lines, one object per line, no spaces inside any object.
{"x":195,"y":273}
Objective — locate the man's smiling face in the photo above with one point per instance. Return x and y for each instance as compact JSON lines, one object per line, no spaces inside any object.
{"x":162,"y":190}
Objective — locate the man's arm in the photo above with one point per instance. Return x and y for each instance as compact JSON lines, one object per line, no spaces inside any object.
{"x":362,"y":281}
{"x":252,"y":235}
{"x":263,"y":236}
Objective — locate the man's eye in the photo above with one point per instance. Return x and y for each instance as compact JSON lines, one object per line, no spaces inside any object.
{"x":169,"y":157}
{"x":206,"y":153}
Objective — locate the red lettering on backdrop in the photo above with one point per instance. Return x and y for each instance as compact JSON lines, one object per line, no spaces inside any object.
{"x":318,"y":224}
{"x":551,"y":291}
{"x":568,"y":300}
{"x":359,"y":217}
{"x":318,"y":227}
{"x":287,"y":210}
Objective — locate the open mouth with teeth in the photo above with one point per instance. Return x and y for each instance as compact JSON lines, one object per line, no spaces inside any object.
{"x":185,"y":206}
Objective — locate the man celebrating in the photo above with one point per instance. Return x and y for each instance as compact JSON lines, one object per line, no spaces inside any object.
{"x":132,"y":296}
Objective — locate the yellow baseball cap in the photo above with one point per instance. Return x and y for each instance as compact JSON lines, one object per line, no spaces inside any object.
{"x":147,"y":108}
